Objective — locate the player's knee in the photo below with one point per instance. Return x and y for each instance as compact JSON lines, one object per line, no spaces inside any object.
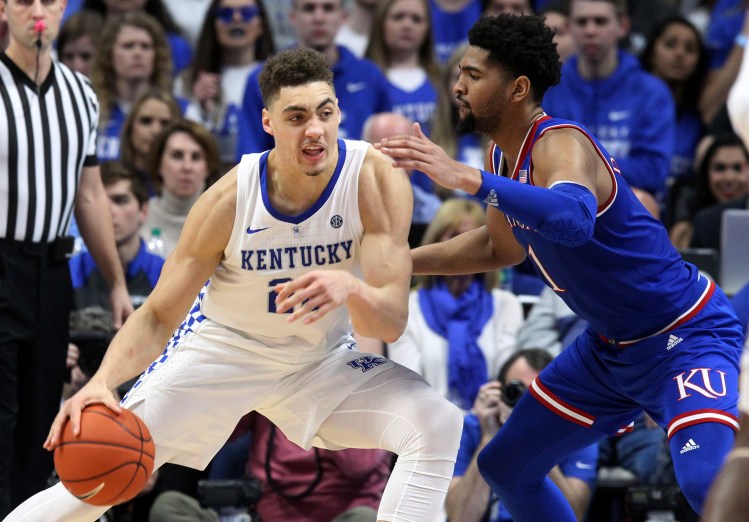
{"x":698,"y":452}
{"x":432,"y":431}
{"x":494,"y":464}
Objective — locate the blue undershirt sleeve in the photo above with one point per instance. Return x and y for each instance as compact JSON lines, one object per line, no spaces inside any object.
{"x":565,"y":213}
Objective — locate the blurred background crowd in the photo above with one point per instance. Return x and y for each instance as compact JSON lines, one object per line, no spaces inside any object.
{"x":658,"y":82}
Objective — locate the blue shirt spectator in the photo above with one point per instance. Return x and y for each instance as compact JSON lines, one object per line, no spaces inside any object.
{"x":450,"y":29}
{"x":89,"y":286}
{"x":631,"y":113}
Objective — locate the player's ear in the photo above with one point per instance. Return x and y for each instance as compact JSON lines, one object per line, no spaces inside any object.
{"x":267,"y":127}
{"x":521,"y":88}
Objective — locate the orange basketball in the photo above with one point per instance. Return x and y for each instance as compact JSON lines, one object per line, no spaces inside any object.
{"x":110,"y":460}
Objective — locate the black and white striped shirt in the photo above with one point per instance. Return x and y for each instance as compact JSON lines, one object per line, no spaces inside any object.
{"x":47,"y":135}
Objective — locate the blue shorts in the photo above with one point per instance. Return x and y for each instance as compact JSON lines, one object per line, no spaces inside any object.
{"x":682,"y":377}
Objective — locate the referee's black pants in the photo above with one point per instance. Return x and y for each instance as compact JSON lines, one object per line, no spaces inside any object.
{"x":35,"y":302}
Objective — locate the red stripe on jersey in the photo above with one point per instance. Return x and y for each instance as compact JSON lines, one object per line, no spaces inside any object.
{"x":698,"y":417}
{"x":629,"y":428}
{"x":558,"y":406}
{"x":527,"y":142}
{"x":682,"y":319}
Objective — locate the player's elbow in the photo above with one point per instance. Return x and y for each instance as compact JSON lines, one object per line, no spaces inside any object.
{"x":393,"y":332}
{"x":568,"y":230}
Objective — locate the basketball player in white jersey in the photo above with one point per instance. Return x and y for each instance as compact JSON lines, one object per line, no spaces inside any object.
{"x":298,"y":244}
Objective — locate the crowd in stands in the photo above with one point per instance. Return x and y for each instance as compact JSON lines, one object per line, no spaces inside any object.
{"x":657,"y":82}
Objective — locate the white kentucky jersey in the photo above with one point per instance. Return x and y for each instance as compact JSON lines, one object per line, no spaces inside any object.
{"x":268,"y":247}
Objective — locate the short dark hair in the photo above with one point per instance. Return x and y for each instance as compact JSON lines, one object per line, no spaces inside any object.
{"x":114,"y":171}
{"x":522,"y":46}
{"x":293,"y":67}
{"x":537,"y":358}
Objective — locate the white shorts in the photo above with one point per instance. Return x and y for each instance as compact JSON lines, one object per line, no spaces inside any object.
{"x":192,"y":397}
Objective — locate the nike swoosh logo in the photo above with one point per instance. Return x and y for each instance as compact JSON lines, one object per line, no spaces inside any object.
{"x":618,"y":115}
{"x":582,"y":465}
{"x":354,"y":87}
{"x":251,"y":230}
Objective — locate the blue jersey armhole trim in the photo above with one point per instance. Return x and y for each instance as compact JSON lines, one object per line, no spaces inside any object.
{"x":263,"y":166}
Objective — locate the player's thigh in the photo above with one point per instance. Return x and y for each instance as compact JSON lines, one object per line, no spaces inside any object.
{"x":193,"y":397}
{"x":396,"y":400}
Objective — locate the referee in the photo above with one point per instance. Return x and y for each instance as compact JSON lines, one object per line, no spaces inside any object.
{"x":48,"y":168}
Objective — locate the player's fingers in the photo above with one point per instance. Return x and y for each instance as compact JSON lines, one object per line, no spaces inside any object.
{"x":291,"y":301}
{"x":53,"y":438}
{"x":308,"y":304}
{"x":319,"y":313}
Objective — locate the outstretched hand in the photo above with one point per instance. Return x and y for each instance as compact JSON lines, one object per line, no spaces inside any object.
{"x":95,"y":392}
{"x":419,"y":153}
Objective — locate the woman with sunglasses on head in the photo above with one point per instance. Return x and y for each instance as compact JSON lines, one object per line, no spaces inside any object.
{"x":235,"y":38}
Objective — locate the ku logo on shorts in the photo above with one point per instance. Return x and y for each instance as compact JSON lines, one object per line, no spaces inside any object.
{"x":703,"y":384}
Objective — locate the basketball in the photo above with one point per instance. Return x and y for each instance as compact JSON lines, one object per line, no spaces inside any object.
{"x":110,"y":460}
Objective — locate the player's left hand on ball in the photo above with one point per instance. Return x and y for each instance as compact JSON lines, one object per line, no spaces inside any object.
{"x":314,"y":294}
{"x":92,"y":393}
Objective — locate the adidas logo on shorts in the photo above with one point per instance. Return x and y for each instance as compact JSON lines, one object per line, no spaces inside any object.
{"x":689,"y":446}
{"x":673,"y":341}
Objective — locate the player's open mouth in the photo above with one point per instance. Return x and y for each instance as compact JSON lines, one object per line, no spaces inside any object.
{"x":313,"y":152}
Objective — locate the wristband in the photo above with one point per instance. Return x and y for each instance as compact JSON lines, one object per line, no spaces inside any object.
{"x":740,"y":40}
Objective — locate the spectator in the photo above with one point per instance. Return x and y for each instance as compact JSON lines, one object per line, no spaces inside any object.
{"x":128,"y":202}
{"x":513,"y":7}
{"x":299,"y":485}
{"x":722,"y":176}
{"x":402,"y":46}
{"x":557,"y":17}
{"x":150,"y":114}
{"x":469,"y":498}
{"x":355,"y":31}
{"x":466,"y":148}
{"x":181,"y":53}
{"x":451,"y":20}
{"x":183,"y":162}
{"x":628,"y":110}
{"x":78,"y":39}
{"x":675,"y":54}
{"x":360,"y":87}
{"x":133,"y":56}
{"x":236,"y":35}
{"x":460,"y":328}
{"x":426,"y":203}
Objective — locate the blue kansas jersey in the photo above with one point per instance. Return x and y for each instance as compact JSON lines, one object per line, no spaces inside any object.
{"x":627,"y":281}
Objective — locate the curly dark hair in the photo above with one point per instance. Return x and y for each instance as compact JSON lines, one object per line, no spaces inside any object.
{"x":522,"y":46}
{"x":293,"y":67}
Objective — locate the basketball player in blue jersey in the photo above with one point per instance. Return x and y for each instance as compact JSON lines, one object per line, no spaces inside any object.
{"x":297,"y":243}
{"x":661,"y":337}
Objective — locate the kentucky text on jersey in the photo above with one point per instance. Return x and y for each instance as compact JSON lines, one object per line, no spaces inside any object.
{"x":294,"y":256}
